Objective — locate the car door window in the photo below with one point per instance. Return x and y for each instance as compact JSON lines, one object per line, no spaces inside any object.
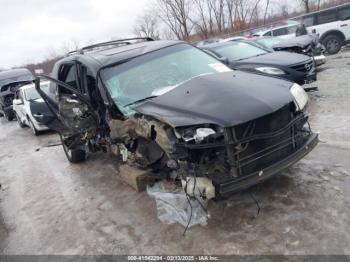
{"x":327,"y":17}
{"x":267,"y":33}
{"x":292,"y":29}
{"x":68,"y":75}
{"x":344,"y":13}
{"x":89,"y":85}
{"x":308,"y":20}
{"x":280,"y":31}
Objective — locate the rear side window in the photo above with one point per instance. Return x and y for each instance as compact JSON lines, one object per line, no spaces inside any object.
{"x":344,"y":13}
{"x":308,"y":20}
{"x":327,"y":17}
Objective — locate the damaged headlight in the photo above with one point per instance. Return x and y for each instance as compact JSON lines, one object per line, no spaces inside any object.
{"x":202,"y":133}
{"x":300,"y":96}
{"x":196,"y":134}
{"x":270,"y":70}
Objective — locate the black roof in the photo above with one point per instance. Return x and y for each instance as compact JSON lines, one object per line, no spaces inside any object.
{"x":14,"y":73}
{"x":108,"y":55}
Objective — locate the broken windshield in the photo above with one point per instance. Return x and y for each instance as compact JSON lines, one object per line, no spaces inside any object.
{"x":156,"y":73}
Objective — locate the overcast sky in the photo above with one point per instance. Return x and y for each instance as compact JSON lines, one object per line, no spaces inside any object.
{"x":31,"y":29}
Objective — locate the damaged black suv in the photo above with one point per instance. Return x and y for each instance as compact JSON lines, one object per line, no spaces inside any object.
{"x":10,"y":82}
{"x":170,"y":107}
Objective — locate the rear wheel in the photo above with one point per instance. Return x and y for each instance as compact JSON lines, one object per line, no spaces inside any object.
{"x":32,"y":127}
{"x":73,"y":155}
{"x":332,"y":43}
{"x":9,"y":116}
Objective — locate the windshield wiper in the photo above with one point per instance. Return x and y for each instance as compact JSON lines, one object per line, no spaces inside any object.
{"x":141,"y":100}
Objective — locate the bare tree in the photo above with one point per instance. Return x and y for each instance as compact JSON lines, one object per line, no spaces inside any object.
{"x":218,"y":8}
{"x":147,"y":26}
{"x":176,"y":15}
{"x":306,"y":4}
{"x":266,"y":8}
{"x":232,"y":12}
{"x":201,"y":21}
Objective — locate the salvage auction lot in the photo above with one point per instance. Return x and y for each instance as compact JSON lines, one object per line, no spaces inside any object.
{"x":49,"y":206}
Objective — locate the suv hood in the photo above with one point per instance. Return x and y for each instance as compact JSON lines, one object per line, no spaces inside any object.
{"x":225,"y":99}
{"x":276,"y":58}
{"x":299,"y":41}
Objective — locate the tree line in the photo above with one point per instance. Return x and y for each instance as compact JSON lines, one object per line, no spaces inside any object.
{"x":200,"y":19}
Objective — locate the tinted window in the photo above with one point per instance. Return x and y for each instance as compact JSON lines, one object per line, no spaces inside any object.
{"x":280,"y":31}
{"x":267,"y":34}
{"x":327,"y":17}
{"x":308,"y":20}
{"x":344,"y":13}
{"x":68,"y":74}
{"x":239,"y":50}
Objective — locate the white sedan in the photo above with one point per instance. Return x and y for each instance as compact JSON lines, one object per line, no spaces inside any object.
{"x":29,"y":107}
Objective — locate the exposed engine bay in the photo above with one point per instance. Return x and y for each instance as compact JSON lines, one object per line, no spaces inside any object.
{"x":206,"y":160}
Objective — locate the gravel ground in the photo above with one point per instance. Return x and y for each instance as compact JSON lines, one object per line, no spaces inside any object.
{"x":48,"y":206}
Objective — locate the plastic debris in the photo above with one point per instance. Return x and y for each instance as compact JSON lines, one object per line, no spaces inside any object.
{"x":175,"y":207}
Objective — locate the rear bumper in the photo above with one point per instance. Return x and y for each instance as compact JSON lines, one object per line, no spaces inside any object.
{"x":228,"y":188}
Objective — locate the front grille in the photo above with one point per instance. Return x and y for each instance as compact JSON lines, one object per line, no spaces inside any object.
{"x":264,"y":141}
{"x":304,"y":67}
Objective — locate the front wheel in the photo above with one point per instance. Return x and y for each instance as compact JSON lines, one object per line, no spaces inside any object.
{"x":73,"y":155}
{"x":33,"y":128}
{"x":20,"y":123}
{"x":332,"y":43}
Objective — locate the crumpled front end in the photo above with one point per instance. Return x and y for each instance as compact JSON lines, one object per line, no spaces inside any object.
{"x":212,"y":161}
{"x":243,"y":155}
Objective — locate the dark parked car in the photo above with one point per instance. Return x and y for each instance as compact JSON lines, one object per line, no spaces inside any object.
{"x":305,"y":44}
{"x":248,"y":57}
{"x":10,"y":81}
{"x":169,"y":106}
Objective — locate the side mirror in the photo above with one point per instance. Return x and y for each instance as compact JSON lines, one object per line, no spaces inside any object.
{"x":224,"y":60}
{"x":17,"y":102}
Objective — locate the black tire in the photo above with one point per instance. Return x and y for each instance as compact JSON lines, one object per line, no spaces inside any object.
{"x":9,"y":116}
{"x":21,"y":125}
{"x":73,"y":155}
{"x":332,"y":43}
{"x":32,"y":127}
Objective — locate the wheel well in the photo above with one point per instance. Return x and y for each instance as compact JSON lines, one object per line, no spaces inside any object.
{"x":333,"y":32}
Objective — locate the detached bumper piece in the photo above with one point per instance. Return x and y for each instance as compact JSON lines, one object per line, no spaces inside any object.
{"x":266,"y":146}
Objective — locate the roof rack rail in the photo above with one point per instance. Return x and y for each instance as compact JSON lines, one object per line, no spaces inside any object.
{"x":118,"y":42}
